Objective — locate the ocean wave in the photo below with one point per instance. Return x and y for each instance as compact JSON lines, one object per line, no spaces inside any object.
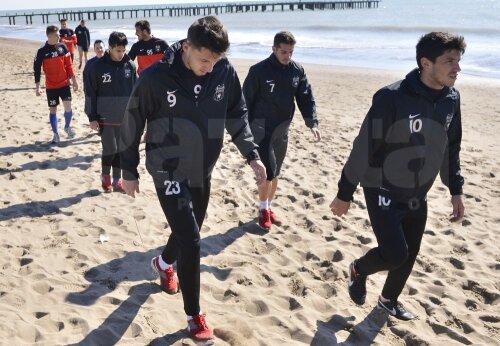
{"x":398,"y":28}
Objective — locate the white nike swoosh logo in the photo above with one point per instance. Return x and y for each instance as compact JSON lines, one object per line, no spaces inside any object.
{"x":411,"y":116}
{"x":270,"y":81}
{"x":392,"y":311}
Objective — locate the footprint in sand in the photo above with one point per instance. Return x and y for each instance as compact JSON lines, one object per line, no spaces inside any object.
{"x":114,"y":221}
{"x":489,"y":318}
{"x":269,"y":280}
{"x":40,"y":314}
{"x":297,"y":287}
{"x":364,"y":240}
{"x":244,"y":282}
{"x":42,"y":288}
{"x":53,"y":181}
{"x":337,"y":256}
{"x":293,"y":304}
{"x":25,"y":261}
{"x":257,"y":308}
{"x":488,"y":297}
{"x":80,"y":323}
{"x":457,"y":263}
{"x":471,"y":305}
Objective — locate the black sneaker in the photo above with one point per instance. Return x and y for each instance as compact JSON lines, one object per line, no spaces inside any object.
{"x":396,"y":309}
{"x":357,"y":285}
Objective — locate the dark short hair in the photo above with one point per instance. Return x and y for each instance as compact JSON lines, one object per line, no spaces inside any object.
{"x":96,"y":42}
{"x":50,"y":29}
{"x":117,"y":39}
{"x":285,"y":37}
{"x":143,"y":25}
{"x":63,"y":20}
{"x":209,"y":32}
{"x":435,"y":44}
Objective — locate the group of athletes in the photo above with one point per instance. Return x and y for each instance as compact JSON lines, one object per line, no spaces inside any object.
{"x":182,"y":96}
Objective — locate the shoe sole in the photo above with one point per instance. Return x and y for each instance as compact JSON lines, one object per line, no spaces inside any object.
{"x":157,"y":274}
{"x":200,"y":342}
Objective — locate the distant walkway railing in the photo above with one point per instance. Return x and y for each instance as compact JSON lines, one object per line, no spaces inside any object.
{"x":189,"y":10}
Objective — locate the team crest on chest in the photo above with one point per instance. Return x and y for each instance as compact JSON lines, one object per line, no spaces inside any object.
{"x":158,"y":48}
{"x":295,"y":81}
{"x":219,"y":92}
{"x":128,"y":73}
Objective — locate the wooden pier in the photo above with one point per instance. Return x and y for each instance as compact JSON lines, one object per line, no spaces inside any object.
{"x":187,"y":10}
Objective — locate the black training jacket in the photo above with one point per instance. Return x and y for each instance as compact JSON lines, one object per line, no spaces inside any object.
{"x":271,"y":88}
{"x":184,"y":134}
{"x":108,"y":85}
{"x":82,"y":36}
{"x":406,"y":139}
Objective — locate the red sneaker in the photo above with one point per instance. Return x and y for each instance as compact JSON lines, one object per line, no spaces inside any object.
{"x":273,"y":217}
{"x":118,"y":187}
{"x":265,"y":219}
{"x":199,"y":331}
{"x":107,"y":186}
{"x":167,"y":277}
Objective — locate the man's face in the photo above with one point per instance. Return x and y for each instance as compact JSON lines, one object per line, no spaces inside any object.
{"x":117,"y":53}
{"x":284,"y":53}
{"x":444,"y":71}
{"x":64,"y":25}
{"x":199,"y":60}
{"x":53,"y":37}
{"x":139,"y":33}
{"x":82,"y":24}
{"x":99,"y":49}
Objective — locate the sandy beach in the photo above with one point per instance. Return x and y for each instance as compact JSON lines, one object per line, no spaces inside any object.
{"x":61,"y":284}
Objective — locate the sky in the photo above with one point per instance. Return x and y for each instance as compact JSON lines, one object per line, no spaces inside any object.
{"x":37,"y":4}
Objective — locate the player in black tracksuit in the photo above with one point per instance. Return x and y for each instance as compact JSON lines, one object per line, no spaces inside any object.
{"x":186,"y":100}
{"x":270,"y":89}
{"x":109,"y":82}
{"x":82,"y":41}
{"x":411,"y":133}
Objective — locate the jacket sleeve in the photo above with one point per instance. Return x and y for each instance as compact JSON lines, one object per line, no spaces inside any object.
{"x":91,"y":88}
{"x":367,"y":151}
{"x":141,"y":104}
{"x":250,"y":91}
{"x":69,"y":65}
{"x":37,"y":66}
{"x":74,"y":39}
{"x":133,"y":52}
{"x":305,"y":102}
{"x":237,"y":121}
{"x":450,"y":172}
{"x":87,"y":34}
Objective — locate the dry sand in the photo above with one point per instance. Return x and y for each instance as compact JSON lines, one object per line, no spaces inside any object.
{"x":60,"y":285}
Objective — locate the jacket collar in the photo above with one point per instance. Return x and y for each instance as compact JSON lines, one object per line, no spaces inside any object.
{"x":275,"y":63}
{"x":107,"y":59}
{"x":413,"y":82}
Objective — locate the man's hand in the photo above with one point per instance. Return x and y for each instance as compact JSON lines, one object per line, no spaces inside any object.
{"x":94,"y":125}
{"x":38,"y":91}
{"x":260,"y":171}
{"x":131,"y":187}
{"x":339,"y":207}
{"x":457,"y":202}
{"x":75,"y":84}
{"x":316,"y":133}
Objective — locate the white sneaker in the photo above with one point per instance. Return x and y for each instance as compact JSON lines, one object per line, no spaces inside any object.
{"x":69,"y":131}
{"x":55,"y":139}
